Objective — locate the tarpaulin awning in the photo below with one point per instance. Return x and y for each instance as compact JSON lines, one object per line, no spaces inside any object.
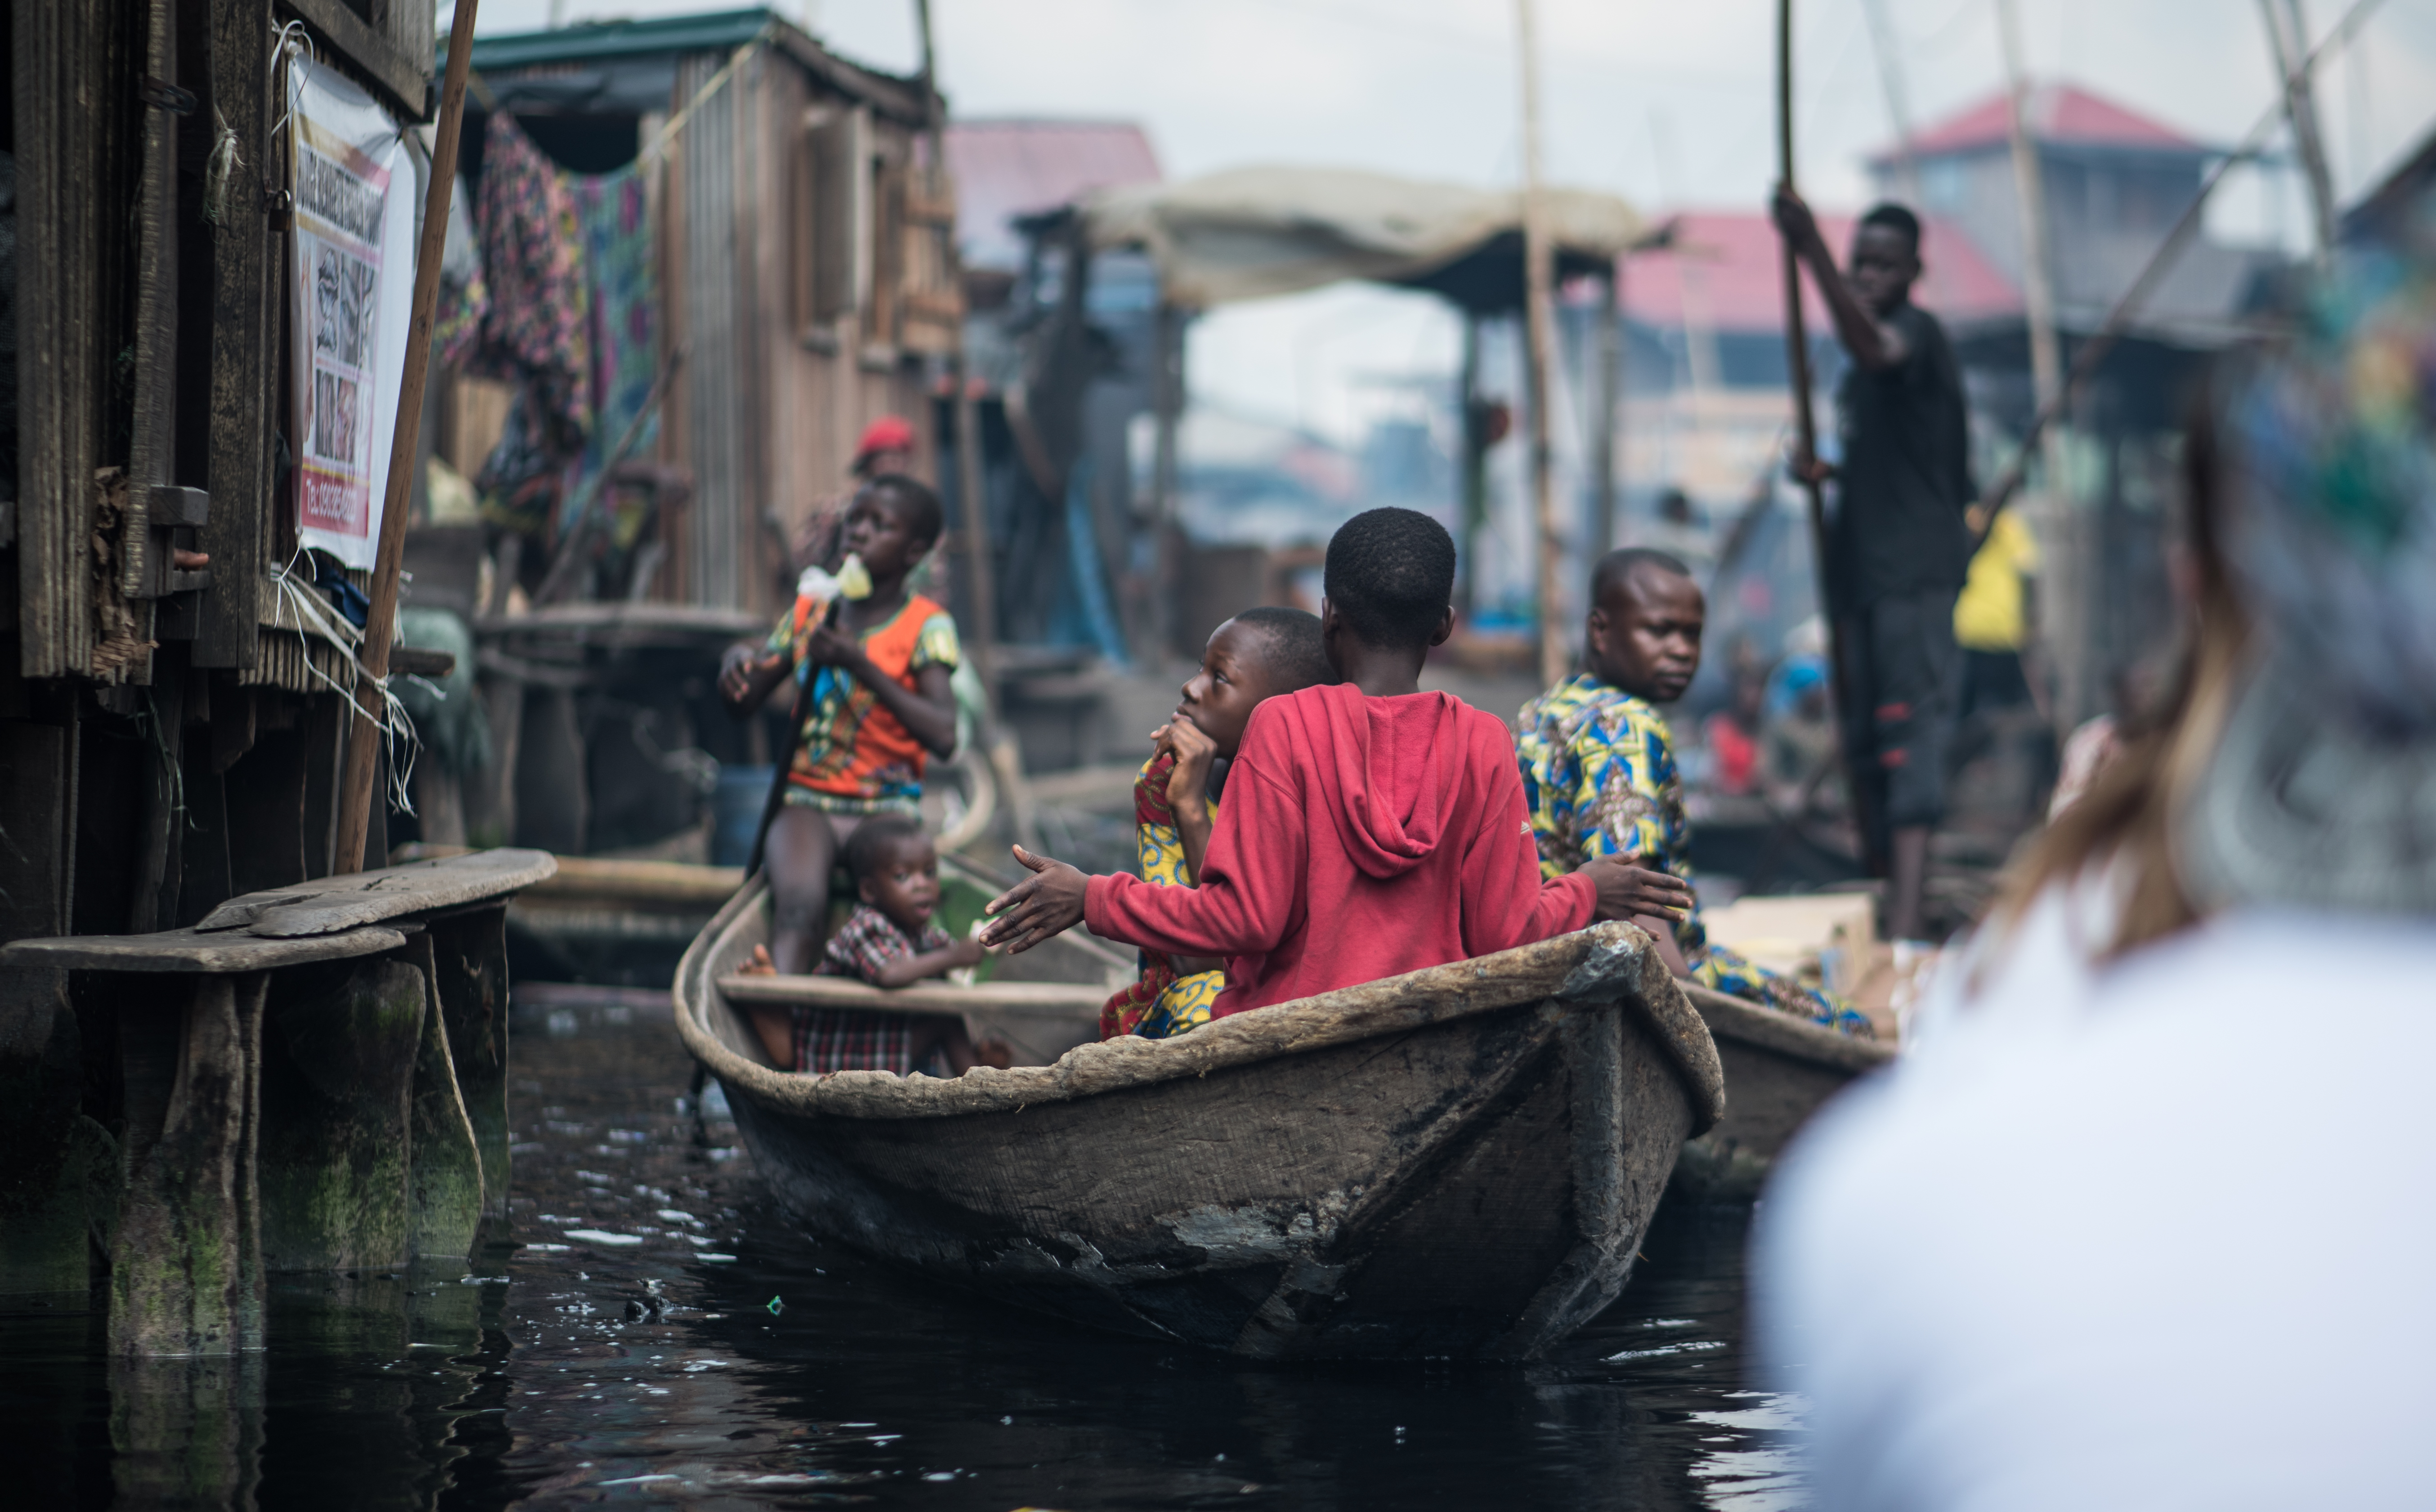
{"x":1254,"y":233}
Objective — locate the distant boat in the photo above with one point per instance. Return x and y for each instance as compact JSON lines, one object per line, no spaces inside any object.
{"x":1779,"y":1069}
{"x":1456,"y":1162}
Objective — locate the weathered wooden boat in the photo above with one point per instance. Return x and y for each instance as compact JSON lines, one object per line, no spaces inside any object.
{"x":1456,"y":1162}
{"x":1781,"y":1070}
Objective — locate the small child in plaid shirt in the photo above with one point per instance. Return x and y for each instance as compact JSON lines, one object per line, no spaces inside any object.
{"x":890,"y":940}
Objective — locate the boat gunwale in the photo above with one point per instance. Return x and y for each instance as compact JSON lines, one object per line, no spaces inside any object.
{"x":1605,"y":962}
{"x":1771,"y":1029}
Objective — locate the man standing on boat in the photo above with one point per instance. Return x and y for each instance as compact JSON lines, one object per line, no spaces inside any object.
{"x":1897,"y":548}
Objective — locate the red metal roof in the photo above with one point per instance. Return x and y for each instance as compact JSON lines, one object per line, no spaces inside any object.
{"x":2056,"y":112}
{"x":1005,"y":168}
{"x":1725,"y":263}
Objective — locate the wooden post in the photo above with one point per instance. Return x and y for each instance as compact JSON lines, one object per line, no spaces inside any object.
{"x":1539,"y":339}
{"x":1797,"y":353}
{"x":152,"y":445}
{"x":2069,"y":623}
{"x":245,"y":326}
{"x":1607,"y":351}
{"x":2287,"y":43}
{"x":1473,"y":506}
{"x":355,"y":790}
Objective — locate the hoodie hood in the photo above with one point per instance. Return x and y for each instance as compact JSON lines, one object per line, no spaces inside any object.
{"x":1390,"y":768}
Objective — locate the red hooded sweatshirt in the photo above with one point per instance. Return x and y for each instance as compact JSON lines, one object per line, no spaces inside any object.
{"x":1360,"y":838}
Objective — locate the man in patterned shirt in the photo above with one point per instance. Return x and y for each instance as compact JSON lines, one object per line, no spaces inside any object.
{"x":1598,"y":765}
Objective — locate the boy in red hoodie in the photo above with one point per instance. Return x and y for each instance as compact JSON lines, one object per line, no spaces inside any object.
{"x":1369,"y":828}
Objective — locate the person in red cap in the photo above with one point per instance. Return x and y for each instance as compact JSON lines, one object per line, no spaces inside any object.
{"x":887,"y":446}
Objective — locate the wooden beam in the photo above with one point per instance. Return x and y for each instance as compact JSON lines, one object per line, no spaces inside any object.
{"x":402,"y":79}
{"x":70,"y":234}
{"x":246,"y":326}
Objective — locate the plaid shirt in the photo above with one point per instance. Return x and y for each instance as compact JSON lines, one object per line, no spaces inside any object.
{"x":844,"y":1039}
{"x":869,"y":939}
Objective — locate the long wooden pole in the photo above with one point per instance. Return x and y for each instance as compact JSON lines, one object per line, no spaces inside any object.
{"x":1539,"y":339}
{"x":364,"y":729}
{"x":2287,"y":43}
{"x":1797,"y":355}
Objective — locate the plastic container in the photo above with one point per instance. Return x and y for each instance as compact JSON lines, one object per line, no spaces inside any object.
{"x":736,"y":812}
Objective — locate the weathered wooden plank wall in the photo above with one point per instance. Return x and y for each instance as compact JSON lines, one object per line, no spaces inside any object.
{"x":709,"y":299}
{"x":245,"y":344}
{"x":72,"y":73}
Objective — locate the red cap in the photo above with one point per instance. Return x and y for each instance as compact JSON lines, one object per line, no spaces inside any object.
{"x":887,"y":433}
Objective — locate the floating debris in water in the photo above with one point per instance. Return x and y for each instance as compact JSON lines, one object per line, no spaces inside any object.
{"x":602,"y":1236}
{"x":776,"y":1306}
{"x":1687,"y":1346}
{"x":550,"y":1249}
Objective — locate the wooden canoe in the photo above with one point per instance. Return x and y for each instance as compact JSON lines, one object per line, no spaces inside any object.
{"x":1458,"y":1163}
{"x":1781,"y":1070}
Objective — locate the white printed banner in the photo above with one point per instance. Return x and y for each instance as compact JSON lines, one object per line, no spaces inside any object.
{"x":351,"y":301}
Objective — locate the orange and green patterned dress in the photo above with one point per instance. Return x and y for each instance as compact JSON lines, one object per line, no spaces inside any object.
{"x":852,"y":757}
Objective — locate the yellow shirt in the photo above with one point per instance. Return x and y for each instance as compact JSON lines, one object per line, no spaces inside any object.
{"x":1988,"y":615}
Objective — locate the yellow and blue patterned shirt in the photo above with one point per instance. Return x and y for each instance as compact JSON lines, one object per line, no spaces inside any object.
{"x":1185,"y":1004}
{"x":1600,"y":779}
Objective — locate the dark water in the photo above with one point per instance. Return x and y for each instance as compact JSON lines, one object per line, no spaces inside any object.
{"x":654,"y":1333}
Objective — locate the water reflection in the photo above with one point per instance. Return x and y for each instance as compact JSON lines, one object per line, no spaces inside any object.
{"x":659,"y":1336}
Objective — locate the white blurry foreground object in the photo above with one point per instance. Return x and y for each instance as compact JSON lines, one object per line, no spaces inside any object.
{"x":2164,"y":1246}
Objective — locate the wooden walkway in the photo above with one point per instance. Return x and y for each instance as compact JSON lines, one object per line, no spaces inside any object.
{"x":315,"y":1079}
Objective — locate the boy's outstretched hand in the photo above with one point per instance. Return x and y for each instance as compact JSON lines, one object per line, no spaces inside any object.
{"x":1034,"y":909}
{"x":1630,"y":892}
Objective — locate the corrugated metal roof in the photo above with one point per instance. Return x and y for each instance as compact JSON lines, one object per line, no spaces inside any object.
{"x":1725,"y":267}
{"x":2058,"y":114}
{"x":1005,"y":168}
{"x":586,"y":41}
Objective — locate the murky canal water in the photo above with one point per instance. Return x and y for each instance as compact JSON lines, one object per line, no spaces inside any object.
{"x":654,"y":1333}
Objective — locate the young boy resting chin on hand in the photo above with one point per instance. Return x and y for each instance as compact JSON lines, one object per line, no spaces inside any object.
{"x":893,"y":939}
{"x":1370,"y":829}
{"x":1261,"y":653}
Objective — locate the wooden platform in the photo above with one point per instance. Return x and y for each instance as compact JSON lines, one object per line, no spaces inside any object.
{"x":324,"y":1090}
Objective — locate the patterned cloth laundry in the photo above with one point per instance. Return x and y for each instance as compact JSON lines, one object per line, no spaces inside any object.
{"x":465,"y":297}
{"x":852,"y":757}
{"x":1600,"y":779}
{"x":614,"y":212}
{"x":536,"y":333}
{"x":1158,"y":1004}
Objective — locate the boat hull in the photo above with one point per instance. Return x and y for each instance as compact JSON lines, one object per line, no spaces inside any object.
{"x":1458,"y":1163}
{"x":1781,"y":1070}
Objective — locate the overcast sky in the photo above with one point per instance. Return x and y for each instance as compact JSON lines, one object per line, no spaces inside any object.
{"x":1667,"y":102}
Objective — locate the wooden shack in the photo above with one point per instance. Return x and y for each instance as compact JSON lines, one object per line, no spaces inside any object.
{"x":195,"y":1092}
{"x":800,"y":264}
{"x":779,"y":273}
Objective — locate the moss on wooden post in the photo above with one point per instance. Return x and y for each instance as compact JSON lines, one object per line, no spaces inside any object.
{"x":184,"y":1266}
{"x":469,"y":964}
{"x":337,"y":1078}
{"x":447,"y":1179}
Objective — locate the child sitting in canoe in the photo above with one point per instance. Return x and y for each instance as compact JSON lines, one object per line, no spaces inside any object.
{"x":871,"y":667}
{"x":1259,"y":654}
{"x":893,"y":939}
{"x":1369,"y":828}
{"x":1598,"y":766}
